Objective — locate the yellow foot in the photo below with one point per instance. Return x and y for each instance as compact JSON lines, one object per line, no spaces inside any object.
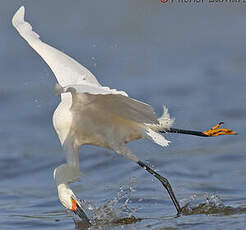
{"x":215,"y":131}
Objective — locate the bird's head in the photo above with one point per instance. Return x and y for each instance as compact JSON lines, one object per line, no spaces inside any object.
{"x":76,"y":208}
{"x":70,"y":202}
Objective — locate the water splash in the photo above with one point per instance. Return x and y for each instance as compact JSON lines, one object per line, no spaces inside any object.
{"x":207,"y":204}
{"x":201,"y":203}
{"x":114,"y":211}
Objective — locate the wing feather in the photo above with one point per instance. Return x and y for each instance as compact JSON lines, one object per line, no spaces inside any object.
{"x":83,"y":85}
{"x":88,"y":88}
{"x":66,"y":69}
{"x":124,"y":107}
{"x":117,"y":104}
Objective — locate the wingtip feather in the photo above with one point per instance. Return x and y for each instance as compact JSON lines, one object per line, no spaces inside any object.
{"x":24,"y":28}
{"x":18,"y":17}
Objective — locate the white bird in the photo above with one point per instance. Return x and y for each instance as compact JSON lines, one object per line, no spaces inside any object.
{"x":90,"y":113}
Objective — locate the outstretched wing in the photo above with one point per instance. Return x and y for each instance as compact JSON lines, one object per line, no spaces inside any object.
{"x":84,"y":86}
{"x":118,"y":104}
{"x":66,"y":69}
{"x":109,"y":101}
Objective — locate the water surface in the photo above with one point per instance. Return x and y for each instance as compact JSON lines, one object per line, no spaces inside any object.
{"x":191,"y":58}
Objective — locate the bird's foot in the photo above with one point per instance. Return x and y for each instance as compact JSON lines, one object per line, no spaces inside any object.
{"x":77,"y":209}
{"x":216,"y":131}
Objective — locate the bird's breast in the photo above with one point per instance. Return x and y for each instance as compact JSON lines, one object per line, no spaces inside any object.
{"x":62,"y":121}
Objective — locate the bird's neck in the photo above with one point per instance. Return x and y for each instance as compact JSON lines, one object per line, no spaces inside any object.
{"x":65,"y":174}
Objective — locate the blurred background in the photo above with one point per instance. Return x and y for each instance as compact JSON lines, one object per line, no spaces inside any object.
{"x":190,"y":57}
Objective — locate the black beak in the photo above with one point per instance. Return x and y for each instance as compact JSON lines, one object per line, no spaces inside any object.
{"x":79,"y":211}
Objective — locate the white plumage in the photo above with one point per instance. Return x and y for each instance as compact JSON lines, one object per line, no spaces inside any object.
{"x":90,"y":113}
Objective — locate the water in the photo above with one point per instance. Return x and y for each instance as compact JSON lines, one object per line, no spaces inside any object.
{"x":190,"y":57}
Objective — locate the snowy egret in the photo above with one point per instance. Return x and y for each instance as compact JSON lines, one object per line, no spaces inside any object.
{"x":90,"y":113}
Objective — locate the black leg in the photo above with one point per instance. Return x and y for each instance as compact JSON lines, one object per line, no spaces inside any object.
{"x":213,"y":132}
{"x":165,"y":183}
{"x":183,"y":131}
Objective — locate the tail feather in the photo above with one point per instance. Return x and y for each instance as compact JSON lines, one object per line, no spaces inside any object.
{"x":165,"y":121}
{"x":151,"y":132}
{"x":148,"y":133}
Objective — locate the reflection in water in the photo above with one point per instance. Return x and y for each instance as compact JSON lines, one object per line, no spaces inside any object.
{"x":121,"y":221}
